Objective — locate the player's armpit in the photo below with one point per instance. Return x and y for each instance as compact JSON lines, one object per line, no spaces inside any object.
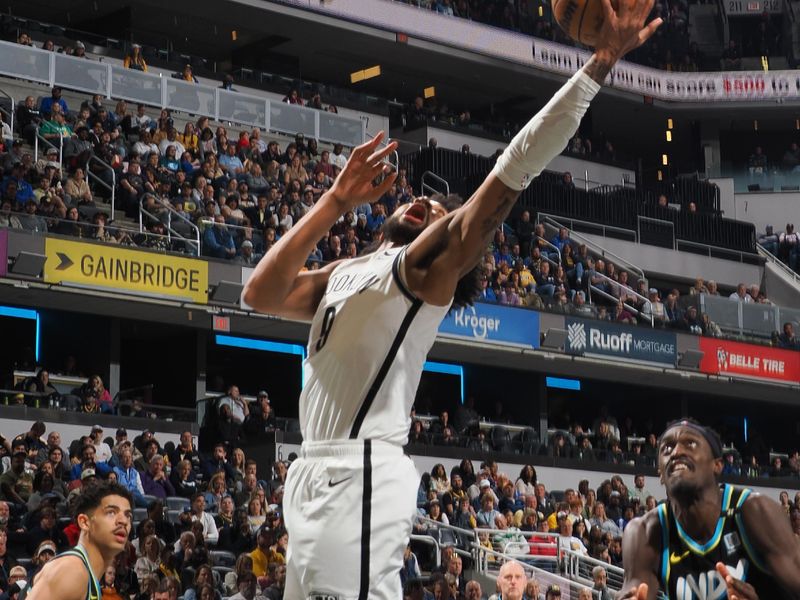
{"x":65,"y":579}
{"x":640,"y":558}
{"x":304,"y":296}
{"x":452,"y":246}
{"x":773,"y":539}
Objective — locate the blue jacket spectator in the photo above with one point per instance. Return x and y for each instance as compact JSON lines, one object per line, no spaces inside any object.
{"x":217,"y":240}
{"x":47,"y":104}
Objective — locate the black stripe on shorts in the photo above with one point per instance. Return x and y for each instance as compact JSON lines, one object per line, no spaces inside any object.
{"x":366,"y":521}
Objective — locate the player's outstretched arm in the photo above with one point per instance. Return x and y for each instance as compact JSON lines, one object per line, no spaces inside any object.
{"x":772,"y":538}
{"x":452,"y":246}
{"x":640,"y":559}
{"x":277,"y":286}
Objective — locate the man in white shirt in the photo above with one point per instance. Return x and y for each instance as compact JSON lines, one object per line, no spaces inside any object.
{"x":238,"y":405}
{"x":210,"y":531}
{"x":567,"y":541}
{"x":338,"y":157}
{"x":102,"y":451}
{"x":741,"y":295}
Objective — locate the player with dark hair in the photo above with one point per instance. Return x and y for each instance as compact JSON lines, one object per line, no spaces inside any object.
{"x":104,"y":513}
{"x":707,"y":541}
{"x":350,"y":497}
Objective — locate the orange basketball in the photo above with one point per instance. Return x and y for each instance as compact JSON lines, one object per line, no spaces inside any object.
{"x":581,"y":19}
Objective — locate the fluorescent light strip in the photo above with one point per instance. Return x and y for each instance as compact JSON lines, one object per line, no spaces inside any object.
{"x":24,"y":313}
{"x":563,"y":384}
{"x":263,"y":345}
{"x":446,"y":369}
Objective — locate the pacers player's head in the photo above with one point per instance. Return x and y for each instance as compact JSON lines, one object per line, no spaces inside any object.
{"x":411,"y":219}
{"x":689,"y":459}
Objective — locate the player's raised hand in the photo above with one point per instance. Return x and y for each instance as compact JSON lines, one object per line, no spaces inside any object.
{"x":737,"y":589}
{"x":635,"y":593}
{"x":355,"y":184}
{"x":623,"y":28}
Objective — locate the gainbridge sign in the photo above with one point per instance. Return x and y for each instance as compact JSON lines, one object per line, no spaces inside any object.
{"x":749,"y":360}
{"x":116,"y":268}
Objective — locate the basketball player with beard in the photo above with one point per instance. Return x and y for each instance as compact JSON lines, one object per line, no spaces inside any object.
{"x":350,"y":497}
{"x":707,"y":541}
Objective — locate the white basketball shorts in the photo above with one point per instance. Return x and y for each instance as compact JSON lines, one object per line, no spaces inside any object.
{"x":348,"y":507}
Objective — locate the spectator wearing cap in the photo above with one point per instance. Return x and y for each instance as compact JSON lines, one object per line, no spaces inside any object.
{"x":247,"y":256}
{"x":186,"y":74}
{"x":102,"y":451}
{"x":134,"y":59}
{"x":654,"y":307}
{"x":17,"y":581}
{"x":88,"y":456}
{"x":46,"y":107}
{"x":567,"y":541}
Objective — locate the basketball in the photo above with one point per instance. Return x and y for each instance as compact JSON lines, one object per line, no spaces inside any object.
{"x":581,"y":19}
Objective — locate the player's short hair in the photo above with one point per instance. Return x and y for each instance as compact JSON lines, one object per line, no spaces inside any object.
{"x":91,"y":497}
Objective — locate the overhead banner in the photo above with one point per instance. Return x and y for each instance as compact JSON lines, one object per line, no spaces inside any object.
{"x":116,"y":268}
{"x":641,"y":344}
{"x":748,"y":360}
{"x":743,"y":86}
{"x":3,"y":252}
{"x":493,"y":323}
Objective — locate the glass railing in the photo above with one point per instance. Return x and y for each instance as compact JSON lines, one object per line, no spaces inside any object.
{"x":770,"y":179}
{"x":744,"y":319}
{"x":114,"y":81}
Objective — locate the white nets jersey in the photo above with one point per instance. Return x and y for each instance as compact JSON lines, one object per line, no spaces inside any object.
{"x":366,"y":350}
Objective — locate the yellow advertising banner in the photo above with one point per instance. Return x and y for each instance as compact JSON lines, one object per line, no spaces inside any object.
{"x":109,"y":267}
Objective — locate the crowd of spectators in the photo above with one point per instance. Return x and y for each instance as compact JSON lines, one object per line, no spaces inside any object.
{"x":207,"y":525}
{"x":603,"y":440}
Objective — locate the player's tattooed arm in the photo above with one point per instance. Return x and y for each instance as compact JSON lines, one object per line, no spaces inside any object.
{"x":496,"y":218}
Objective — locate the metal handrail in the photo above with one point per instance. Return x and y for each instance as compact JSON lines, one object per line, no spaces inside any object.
{"x":573,"y":561}
{"x":777,"y":261}
{"x":170,"y":231}
{"x":60,"y":146}
{"x":112,"y":188}
{"x":640,"y":218}
{"x":608,"y":296}
{"x":542,"y":576}
{"x":598,"y":249}
{"x":710,"y":247}
{"x":551,"y":245}
{"x":554,"y":218}
{"x":426,"y":187}
{"x":13,"y":109}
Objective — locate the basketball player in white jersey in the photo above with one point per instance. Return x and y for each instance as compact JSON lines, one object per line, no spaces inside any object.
{"x":350,"y":497}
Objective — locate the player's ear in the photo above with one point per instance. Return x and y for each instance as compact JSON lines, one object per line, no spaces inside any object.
{"x":717,"y":467}
{"x":83,"y":521}
{"x":660,"y":476}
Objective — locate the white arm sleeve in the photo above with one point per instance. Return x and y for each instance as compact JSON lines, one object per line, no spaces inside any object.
{"x":546,"y":135}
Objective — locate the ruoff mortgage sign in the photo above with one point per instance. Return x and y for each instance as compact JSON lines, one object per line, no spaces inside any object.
{"x":625,"y":342}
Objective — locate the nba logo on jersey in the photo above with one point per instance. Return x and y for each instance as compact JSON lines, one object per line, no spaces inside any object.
{"x":732,"y":543}
{"x":318,"y":596}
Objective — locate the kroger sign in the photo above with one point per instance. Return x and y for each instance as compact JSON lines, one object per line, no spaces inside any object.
{"x":494,"y":324}
{"x":621,"y":341}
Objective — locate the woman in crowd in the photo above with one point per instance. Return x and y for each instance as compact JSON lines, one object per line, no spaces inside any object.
{"x":202,"y":576}
{"x":244,"y":564}
{"x":526,"y":482}
{"x":134,"y":59}
{"x":237,"y":462}
{"x":439,"y":481}
{"x":108,"y":584}
{"x":149,"y":559}
{"x":256,"y":513}
{"x":217,"y":489}
{"x":183,"y":479}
